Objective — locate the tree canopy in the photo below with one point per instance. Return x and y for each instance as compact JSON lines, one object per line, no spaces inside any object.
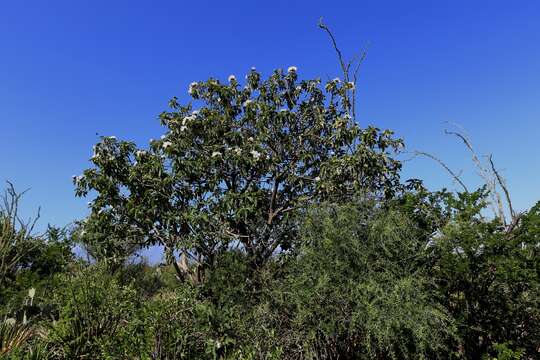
{"x":235,"y":167}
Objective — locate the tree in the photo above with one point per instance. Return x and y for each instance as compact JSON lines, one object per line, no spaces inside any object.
{"x":236,"y":171}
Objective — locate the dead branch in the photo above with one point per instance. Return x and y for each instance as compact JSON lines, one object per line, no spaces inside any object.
{"x":446,"y":167}
{"x":485,"y":174}
{"x":346,"y":68}
{"x":502,"y":184}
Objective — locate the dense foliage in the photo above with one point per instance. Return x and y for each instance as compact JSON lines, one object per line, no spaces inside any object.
{"x":287,"y":234}
{"x":236,"y":171}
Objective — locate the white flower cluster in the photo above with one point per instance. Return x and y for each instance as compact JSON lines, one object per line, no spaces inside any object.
{"x":247,"y":102}
{"x":140,"y":153}
{"x":187,"y":119}
{"x":292,"y":69}
{"x":232,"y":78}
{"x":192,"y":87}
{"x":216,"y":154}
{"x":166,"y":144}
{"x":256,"y":154}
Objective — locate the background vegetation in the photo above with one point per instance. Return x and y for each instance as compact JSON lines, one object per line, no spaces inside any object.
{"x":287,"y":233}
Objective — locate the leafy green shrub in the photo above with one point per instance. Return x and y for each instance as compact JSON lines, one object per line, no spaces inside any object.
{"x":359,"y":289}
{"x":488,"y":278}
{"x":93,"y":309}
{"x":28,"y":260}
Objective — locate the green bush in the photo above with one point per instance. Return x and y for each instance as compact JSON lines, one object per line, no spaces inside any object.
{"x":93,"y":311}
{"x":488,"y":278}
{"x":358,"y":289}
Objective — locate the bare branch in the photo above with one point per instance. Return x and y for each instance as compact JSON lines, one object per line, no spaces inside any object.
{"x":446,"y":167}
{"x":503,"y":186}
{"x":344,"y":67}
{"x":484,"y":173}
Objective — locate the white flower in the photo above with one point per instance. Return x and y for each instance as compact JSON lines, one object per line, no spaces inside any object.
{"x":430,"y":243}
{"x":317,"y":178}
{"x":247,"y":102}
{"x":195,"y":112}
{"x":140,"y":153}
{"x":292,"y":69}
{"x":112,"y":137}
{"x":232,"y":78}
{"x":253,"y":68}
{"x":216,"y":154}
{"x":166,"y":144}
{"x":350,"y":85}
{"x":183,"y":128}
{"x":31,"y":293}
{"x":250,"y":139}
{"x":192,"y":87}
{"x":256,"y":154}
{"x":162,"y":137}
{"x":480,"y":250}
{"x":188,"y":119}
{"x":336,"y":80}
{"x":237,"y":150}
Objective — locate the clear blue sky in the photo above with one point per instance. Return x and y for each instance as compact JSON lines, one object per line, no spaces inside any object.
{"x":71,"y":69}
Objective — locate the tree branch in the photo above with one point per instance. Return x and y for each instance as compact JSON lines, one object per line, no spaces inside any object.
{"x":454,"y":175}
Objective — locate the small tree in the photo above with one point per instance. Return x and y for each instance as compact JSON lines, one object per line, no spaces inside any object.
{"x":236,"y":171}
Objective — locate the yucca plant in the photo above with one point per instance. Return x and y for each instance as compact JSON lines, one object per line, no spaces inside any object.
{"x":13,"y":335}
{"x":15,"y":234}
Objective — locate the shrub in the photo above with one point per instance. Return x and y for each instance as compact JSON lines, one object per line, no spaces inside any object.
{"x":93,"y":310}
{"x":359,"y":289}
{"x":488,"y":278}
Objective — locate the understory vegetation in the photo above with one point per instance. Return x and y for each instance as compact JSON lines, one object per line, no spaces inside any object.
{"x":287,"y":233}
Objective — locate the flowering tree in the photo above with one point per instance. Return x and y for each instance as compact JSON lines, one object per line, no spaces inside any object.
{"x":236,"y":166}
